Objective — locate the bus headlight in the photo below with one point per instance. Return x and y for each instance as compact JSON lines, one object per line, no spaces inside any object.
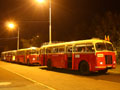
{"x":114,"y":62}
{"x":101,"y":63}
{"x":33,"y":58}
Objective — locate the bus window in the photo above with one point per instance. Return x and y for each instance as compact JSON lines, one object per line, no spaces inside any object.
{"x":49,"y":50}
{"x":90,"y":48}
{"x":69,"y":49}
{"x":55,"y":50}
{"x":43,"y":51}
{"x":100,"y":46}
{"x":61,"y":49}
{"x":27,"y":52}
{"x":33,"y":52}
{"x":104,"y":46}
{"x":109,"y":47}
{"x":80,"y":48}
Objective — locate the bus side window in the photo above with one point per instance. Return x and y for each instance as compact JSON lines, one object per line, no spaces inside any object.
{"x":55,"y":50}
{"x":69,"y":49}
{"x":49,"y":50}
{"x":61,"y":49}
{"x":43,"y":51}
{"x":80,"y":48}
{"x":90,"y":48}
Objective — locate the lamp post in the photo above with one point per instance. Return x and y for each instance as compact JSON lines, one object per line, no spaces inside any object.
{"x":18,"y":39}
{"x":11,"y":25}
{"x":50,"y":32}
{"x":50,"y":14}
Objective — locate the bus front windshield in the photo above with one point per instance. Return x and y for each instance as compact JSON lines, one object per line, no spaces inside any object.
{"x":33,"y":52}
{"x":104,"y":46}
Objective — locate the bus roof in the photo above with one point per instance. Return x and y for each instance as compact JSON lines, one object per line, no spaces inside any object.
{"x":76,"y":42}
{"x":31,"y":48}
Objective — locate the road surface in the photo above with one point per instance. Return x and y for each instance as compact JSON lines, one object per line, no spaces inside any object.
{"x":22,"y":77}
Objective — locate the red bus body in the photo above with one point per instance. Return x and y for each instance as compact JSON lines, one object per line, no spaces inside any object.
{"x":97,"y":60}
{"x":27,"y":56}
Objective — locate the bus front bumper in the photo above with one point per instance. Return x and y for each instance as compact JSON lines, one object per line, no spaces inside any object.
{"x":105,"y":67}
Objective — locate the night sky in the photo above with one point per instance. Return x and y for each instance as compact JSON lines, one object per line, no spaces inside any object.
{"x":70,"y":19}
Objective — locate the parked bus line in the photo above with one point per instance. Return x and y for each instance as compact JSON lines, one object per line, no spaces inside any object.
{"x":84,"y":55}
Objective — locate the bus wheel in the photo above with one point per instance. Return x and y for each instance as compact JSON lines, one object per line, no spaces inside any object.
{"x":84,"y":68}
{"x":103,"y":71}
{"x":49,"y":64}
{"x":28,"y":62}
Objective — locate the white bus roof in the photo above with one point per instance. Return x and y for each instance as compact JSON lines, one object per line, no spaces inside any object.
{"x":31,"y":48}
{"x":76,"y":42}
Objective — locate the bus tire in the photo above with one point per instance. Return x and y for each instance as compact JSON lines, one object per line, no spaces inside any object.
{"x":84,"y":68}
{"x":103,"y":71}
{"x":49,"y":64}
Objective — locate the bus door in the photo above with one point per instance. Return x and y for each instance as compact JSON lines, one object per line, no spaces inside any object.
{"x":25,"y":55}
{"x":42,"y":56}
{"x":69,"y":56}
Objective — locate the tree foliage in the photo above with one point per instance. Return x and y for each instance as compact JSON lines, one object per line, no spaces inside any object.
{"x":33,"y":42}
{"x":109,"y":24}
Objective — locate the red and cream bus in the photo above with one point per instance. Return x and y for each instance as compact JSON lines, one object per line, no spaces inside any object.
{"x":84,"y":55}
{"x":7,"y":56}
{"x":3,"y":56}
{"x":28,"y":56}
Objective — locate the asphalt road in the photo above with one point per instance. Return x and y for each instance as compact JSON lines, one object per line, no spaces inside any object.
{"x":17,"y":77}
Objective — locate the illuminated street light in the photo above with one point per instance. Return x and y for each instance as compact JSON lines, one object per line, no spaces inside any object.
{"x":50,"y":31}
{"x":11,"y":25}
{"x":41,"y":1}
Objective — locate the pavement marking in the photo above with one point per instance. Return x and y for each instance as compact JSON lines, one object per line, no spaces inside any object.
{"x":5,"y":83}
{"x":30,"y":79}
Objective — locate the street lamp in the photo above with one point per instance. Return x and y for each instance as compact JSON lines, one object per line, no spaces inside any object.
{"x":41,"y":1}
{"x":11,"y":25}
{"x":50,"y":14}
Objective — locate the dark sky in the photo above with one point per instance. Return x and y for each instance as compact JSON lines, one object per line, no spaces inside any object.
{"x":67,"y":17}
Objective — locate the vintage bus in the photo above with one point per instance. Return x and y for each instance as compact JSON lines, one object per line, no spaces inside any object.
{"x":3,"y":56}
{"x":8,"y":55}
{"x":85,"y":55}
{"x":27,"y":56}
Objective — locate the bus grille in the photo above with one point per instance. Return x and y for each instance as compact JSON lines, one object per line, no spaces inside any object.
{"x":108,"y":59}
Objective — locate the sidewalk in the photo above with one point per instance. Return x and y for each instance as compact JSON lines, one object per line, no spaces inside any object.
{"x":117,"y":70}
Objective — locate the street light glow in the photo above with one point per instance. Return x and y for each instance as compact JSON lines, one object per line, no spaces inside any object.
{"x":11,"y":25}
{"x":41,"y":1}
